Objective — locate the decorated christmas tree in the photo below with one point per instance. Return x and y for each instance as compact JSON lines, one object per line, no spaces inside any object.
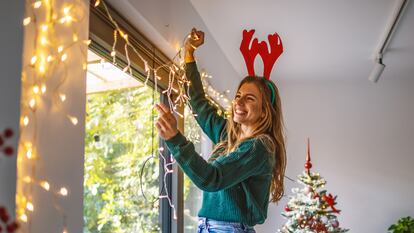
{"x":311,"y":209}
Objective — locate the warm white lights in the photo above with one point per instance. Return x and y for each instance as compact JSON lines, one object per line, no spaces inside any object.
{"x":45,"y":185}
{"x":63,"y":191}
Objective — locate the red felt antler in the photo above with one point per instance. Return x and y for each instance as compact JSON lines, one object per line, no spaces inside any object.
{"x":269,"y":59}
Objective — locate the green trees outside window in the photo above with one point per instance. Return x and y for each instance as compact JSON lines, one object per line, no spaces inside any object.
{"x":120,"y":137}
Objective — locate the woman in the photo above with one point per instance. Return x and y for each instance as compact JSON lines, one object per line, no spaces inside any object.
{"x":249,"y":159}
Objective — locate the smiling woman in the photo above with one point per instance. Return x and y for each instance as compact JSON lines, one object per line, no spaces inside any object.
{"x":248,"y":163}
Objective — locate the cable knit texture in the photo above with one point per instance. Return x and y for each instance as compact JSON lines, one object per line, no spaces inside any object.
{"x":235,"y":186}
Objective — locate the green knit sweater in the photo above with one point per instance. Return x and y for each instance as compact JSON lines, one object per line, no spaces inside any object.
{"x":236,"y":186}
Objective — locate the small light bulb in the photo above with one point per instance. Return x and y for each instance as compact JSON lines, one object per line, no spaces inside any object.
{"x":26,"y":120}
{"x":64,"y":57}
{"x":75,"y":38}
{"x":32,"y":103}
{"x":113,"y":53}
{"x":84,"y":66}
{"x":66,"y":10}
{"x":68,"y":18}
{"x":62,"y":97}
{"x":36,"y":89}
{"x":43,"y":40}
{"x":27,"y":179}
{"x":37,"y":4}
{"x":45,"y":185}
{"x":33,"y":60}
{"x":26,"y":21}
{"x":97,"y":2}
{"x":60,"y":49}
{"x":49,"y":58}
{"x":63,"y":191}
{"x":74,"y":120}
{"x":42,"y":68}
{"x":23,"y":217}
{"x":29,"y":206}
{"x":29,"y":153}
{"x":44,"y":27}
{"x":43,"y":88}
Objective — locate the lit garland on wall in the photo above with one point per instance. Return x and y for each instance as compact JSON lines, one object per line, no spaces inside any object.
{"x":47,"y":24}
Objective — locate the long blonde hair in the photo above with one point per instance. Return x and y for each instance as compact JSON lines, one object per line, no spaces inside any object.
{"x":269,"y":130}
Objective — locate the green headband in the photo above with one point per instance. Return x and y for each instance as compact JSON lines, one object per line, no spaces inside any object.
{"x":272,"y":90}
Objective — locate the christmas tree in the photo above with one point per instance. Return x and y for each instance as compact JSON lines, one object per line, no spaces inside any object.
{"x":311,"y":209}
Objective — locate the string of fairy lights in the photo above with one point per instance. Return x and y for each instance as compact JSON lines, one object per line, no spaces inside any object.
{"x":46,"y":71}
{"x":176,"y":75}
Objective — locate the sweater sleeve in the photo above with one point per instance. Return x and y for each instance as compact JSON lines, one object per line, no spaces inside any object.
{"x":207,"y":117}
{"x":249,"y":159}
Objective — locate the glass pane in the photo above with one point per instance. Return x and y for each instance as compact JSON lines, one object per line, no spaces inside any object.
{"x":192,"y":194}
{"x":120,"y":139}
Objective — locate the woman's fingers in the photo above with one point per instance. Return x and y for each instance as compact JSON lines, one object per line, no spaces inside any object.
{"x":160,"y":109}
{"x":164,"y":108}
{"x":166,"y":123}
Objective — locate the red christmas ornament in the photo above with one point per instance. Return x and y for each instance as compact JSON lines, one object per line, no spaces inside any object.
{"x":308,"y":164}
{"x":330,"y":200}
{"x":8,"y":133}
{"x":287,"y":209}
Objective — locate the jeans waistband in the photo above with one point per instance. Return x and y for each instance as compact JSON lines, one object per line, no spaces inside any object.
{"x":207,"y":222}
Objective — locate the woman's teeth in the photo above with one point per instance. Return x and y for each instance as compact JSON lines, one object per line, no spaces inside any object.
{"x":238,"y":112}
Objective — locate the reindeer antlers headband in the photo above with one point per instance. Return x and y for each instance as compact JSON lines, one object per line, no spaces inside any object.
{"x":269,"y":59}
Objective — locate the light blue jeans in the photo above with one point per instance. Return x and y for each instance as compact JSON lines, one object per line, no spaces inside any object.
{"x":206,"y":225}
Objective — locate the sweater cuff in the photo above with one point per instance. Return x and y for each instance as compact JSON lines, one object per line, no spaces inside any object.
{"x":177,"y":140}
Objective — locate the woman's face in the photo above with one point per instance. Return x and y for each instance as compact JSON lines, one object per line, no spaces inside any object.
{"x":247,"y":105}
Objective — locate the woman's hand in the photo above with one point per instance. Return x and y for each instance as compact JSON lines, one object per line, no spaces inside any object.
{"x":195,"y":40}
{"x":166,"y":123}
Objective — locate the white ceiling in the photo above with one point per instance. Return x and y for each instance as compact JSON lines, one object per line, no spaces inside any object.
{"x":323,"y":39}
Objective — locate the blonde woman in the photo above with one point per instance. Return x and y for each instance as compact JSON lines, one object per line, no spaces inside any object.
{"x":246,"y":169}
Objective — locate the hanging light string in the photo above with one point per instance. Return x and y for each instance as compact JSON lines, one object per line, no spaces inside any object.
{"x":44,"y":73}
{"x":176,"y":72}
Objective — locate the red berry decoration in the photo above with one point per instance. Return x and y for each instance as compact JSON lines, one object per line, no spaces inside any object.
{"x":8,"y":133}
{"x":4,"y":217}
{"x":12,"y":227}
{"x":8,"y":151}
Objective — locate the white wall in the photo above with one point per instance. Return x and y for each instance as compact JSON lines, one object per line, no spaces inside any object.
{"x":10,"y":72}
{"x":362,"y":137}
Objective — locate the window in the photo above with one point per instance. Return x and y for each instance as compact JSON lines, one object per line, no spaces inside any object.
{"x":120,"y":139}
{"x":193,"y":195}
